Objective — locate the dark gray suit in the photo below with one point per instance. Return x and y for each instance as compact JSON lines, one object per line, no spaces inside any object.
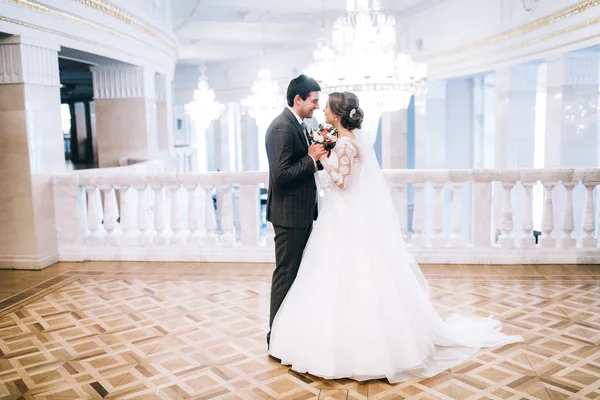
{"x":291,"y":202}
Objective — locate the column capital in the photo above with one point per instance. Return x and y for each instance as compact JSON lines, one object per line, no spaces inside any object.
{"x":24,"y":60}
{"x":517,"y":78}
{"x":574,"y":69}
{"x":123,"y":82}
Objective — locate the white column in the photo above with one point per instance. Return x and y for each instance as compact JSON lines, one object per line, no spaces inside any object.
{"x":31,"y":148}
{"x":572,"y":106}
{"x":478,"y":121}
{"x":183,"y":124}
{"x":394,"y":132}
{"x":224,"y":144}
{"x":422,"y":148}
{"x":164,"y":112}
{"x":516,"y":90}
{"x":252,"y":147}
{"x":435,"y":124}
{"x":125,"y":113}
{"x":489,"y":120}
{"x":459,"y":123}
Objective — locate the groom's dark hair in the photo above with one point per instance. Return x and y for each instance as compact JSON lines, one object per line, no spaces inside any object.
{"x":301,"y":85}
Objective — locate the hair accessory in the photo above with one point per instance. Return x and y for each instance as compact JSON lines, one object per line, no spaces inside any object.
{"x":352,"y":112}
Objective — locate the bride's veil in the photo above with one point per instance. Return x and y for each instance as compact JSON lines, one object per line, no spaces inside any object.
{"x":379,"y":214}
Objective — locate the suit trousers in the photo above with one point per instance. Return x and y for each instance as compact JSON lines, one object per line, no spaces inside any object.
{"x":289,"y":246}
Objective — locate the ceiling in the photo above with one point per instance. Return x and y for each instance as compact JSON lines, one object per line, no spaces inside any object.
{"x":223,"y":30}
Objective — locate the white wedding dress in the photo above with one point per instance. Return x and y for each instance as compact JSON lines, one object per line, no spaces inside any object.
{"x":359,"y":307}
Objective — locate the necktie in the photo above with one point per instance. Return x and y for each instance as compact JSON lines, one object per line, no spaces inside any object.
{"x":305,"y":132}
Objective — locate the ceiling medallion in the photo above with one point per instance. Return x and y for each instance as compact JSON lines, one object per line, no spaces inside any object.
{"x":530,"y":5}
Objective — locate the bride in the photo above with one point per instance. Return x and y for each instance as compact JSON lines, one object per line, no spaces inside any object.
{"x":359,"y":307}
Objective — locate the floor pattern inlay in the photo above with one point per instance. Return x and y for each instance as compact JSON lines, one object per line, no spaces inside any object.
{"x":114,"y":334}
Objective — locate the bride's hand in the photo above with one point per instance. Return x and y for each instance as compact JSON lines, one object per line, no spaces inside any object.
{"x":324,"y":157}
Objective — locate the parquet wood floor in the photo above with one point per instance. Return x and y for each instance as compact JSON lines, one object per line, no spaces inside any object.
{"x":197,"y":331}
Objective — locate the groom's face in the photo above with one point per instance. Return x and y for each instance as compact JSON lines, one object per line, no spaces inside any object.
{"x":308,"y":106}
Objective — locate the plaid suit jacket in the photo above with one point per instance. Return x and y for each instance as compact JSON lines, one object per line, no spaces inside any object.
{"x":292,"y":194}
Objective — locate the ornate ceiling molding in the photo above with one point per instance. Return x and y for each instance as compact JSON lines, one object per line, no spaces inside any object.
{"x":517,"y":58}
{"x":565,"y":13}
{"x":58,"y":33}
{"x":105,"y":8}
{"x":540,"y":39}
{"x":130,"y":19}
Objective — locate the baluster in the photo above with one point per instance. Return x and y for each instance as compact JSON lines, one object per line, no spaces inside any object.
{"x":418,"y":239}
{"x":162,"y":234}
{"x":588,"y":239}
{"x":567,"y":241}
{"x":94,"y":215}
{"x":527,"y":238}
{"x":178,"y":236}
{"x":437,"y":239}
{"x":484,"y":236}
{"x":126,"y":221}
{"x":194,"y":161}
{"x":506,"y":239}
{"x":235,"y":209}
{"x":226,"y":214}
{"x":195,"y":237}
{"x":111,"y":214}
{"x":399,"y":191}
{"x":250,"y":221}
{"x":456,"y":238}
{"x":189,"y":163}
{"x":145,"y":235}
{"x":210,"y":220}
{"x":547,"y":240}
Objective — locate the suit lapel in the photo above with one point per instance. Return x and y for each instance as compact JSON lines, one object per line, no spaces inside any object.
{"x":292,"y":119}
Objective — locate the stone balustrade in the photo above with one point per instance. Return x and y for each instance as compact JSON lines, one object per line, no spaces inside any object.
{"x":448,"y":216}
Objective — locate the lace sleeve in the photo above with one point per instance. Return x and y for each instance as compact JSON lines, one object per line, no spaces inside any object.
{"x":340,"y":167}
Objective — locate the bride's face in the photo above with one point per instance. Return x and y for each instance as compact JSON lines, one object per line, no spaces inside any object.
{"x":329,"y":117}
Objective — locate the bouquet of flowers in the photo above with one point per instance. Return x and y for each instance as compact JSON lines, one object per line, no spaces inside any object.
{"x":325,"y":135}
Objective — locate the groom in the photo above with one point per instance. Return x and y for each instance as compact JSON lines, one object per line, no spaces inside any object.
{"x":292,"y":198}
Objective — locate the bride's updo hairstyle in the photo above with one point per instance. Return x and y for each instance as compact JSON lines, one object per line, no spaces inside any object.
{"x":345,"y":106}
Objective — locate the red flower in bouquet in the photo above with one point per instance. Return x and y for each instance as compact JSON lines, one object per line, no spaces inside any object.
{"x":325,"y":135}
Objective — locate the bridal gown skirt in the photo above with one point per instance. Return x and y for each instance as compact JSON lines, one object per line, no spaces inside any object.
{"x":358,"y":311}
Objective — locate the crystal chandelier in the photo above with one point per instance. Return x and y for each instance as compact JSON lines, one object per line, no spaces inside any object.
{"x":204,"y":108}
{"x":263,"y":105}
{"x":265,"y":99}
{"x":360,"y":57}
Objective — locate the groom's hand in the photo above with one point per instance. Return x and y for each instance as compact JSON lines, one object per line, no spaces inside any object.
{"x":316,"y":151}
